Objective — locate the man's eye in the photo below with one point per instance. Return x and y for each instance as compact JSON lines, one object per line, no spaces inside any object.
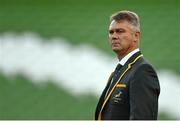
{"x":120,"y":31}
{"x":111,"y":31}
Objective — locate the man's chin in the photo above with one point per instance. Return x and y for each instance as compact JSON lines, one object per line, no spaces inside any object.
{"x":116,"y":50}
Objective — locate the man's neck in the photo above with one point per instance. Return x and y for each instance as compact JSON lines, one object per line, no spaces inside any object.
{"x":122,"y":54}
{"x":124,"y":59}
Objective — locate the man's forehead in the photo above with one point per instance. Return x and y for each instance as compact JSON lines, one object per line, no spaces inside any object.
{"x":115,"y":24}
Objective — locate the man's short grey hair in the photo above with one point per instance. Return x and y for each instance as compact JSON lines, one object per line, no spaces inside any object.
{"x":128,"y":16}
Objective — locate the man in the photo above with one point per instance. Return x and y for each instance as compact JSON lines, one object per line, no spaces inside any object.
{"x":133,"y":88}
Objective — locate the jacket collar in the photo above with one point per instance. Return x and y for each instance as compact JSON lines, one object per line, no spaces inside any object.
{"x":133,"y":57}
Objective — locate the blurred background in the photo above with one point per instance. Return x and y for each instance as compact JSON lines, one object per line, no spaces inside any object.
{"x":55,"y":59}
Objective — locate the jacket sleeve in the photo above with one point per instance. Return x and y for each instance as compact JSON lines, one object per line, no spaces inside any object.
{"x":144,"y":92}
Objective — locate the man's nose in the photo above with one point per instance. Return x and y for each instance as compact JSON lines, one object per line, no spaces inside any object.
{"x":114,"y":36}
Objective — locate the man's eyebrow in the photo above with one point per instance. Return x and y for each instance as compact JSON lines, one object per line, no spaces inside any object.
{"x":117,"y":29}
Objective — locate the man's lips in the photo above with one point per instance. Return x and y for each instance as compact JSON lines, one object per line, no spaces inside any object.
{"x":115,"y":43}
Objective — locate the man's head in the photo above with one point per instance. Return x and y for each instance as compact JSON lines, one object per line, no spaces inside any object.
{"x":124,"y":32}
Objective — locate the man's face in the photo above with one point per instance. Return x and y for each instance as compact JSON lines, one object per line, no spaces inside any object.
{"x":123,"y":38}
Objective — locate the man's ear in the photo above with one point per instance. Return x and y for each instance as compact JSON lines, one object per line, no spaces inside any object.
{"x":137,"y":36}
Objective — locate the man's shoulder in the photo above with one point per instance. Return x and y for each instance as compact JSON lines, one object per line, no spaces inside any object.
{"x":143,"y":65}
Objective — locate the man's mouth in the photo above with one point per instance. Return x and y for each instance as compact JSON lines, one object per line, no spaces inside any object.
{"x":115,"y":43}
